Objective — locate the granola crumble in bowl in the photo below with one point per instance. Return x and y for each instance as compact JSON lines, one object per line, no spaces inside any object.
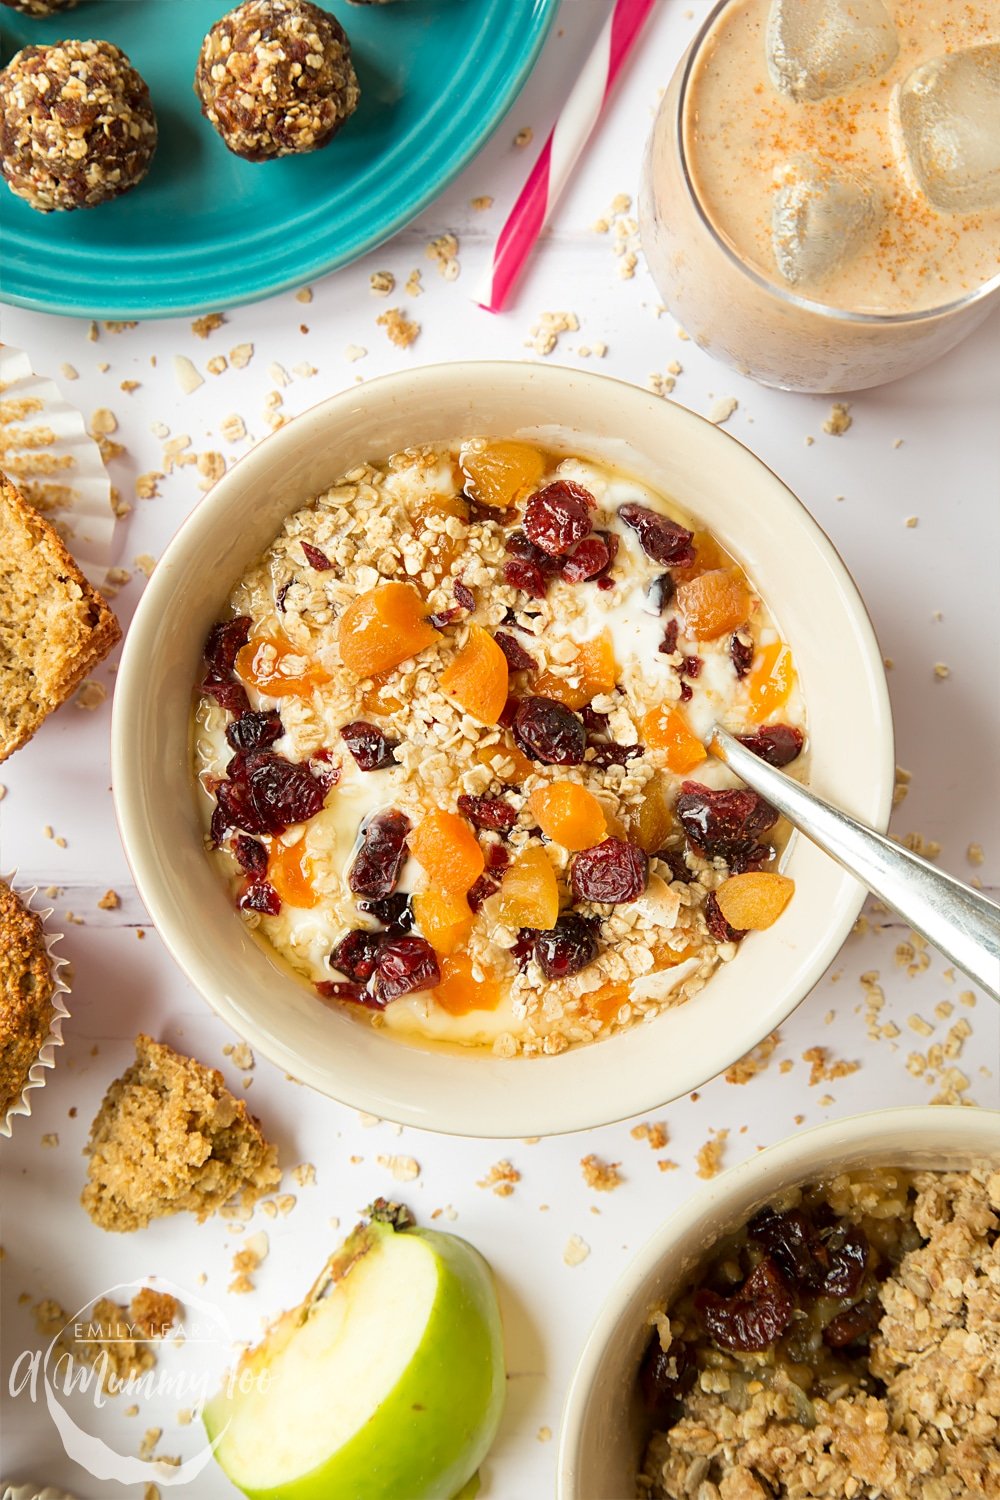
{"x":822,"y":1321}
{"x":416,"y":747}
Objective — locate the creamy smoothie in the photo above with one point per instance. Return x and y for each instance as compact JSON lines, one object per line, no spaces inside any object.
{"x":821,"y":199}
{"x":851,"y":150}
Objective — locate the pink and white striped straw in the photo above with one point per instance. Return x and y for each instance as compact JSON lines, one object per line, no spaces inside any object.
{"x":561,"y":151}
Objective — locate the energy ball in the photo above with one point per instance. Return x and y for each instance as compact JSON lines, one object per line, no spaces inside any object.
{"x":275,"y":77}
{"x":39,"y":7}
{"x":76,"y":125}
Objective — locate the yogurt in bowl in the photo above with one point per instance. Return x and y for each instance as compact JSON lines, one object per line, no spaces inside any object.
{"x":608,"y":435}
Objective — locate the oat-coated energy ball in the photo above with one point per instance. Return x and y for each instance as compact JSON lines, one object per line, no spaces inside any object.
{"x":76,"y":125}
{"x":39,"y":7}
{"x":275,"y":77}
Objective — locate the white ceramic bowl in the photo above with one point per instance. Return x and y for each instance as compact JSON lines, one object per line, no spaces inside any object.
{"x":711,"y":476}
{"x":603,"y":1427}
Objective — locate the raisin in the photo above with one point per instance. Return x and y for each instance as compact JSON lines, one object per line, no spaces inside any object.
{"x":677,"y":865}
{"x":717,"y":924}
{"x":614,"y":755}
{"x":664,"y":1377}
{"x":356,"y":954}
{"x":593,"y":722}
{"x":371,"y":749}
{"x":660,"y":538}
{"x":259,"y":896}
{"x":691,"y":666}
{"x":754,"y":1317}
{"x":378,"y":862}
{"x":405,"y":964}
{"x":249,"y":854}
{"x":220,"y":825}
{"x":255,"y":731}
{"x":558,"y":517}
{"x":790,"y":1239}
{"x":518,"y":660}
{"x":266,"y":793}
{"x":848,"y":1251}
{"x":741,"y":654}
{"x":464,"y":595}
{"x":725,"y":824}
{"x":394,"y":911}
{"x":492,"y":813}
{"x":612,"y":871}
{"x":224,"y":643}
{"x":778,"y":744}
{"x":854,"y":1324}
{"x":567,"y":947}
{"x":228,"y":695}
{"x":590,"y":558}
{"x":550,"y":732}
{"x":444,"y":617}
{"x":659,"y":594}
{"x":316,"y":558}
{"x":480,"y":892}
{"x":669,"y":643}
{"x":357,"y":994}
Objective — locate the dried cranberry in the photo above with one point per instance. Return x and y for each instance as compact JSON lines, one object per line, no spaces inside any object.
{"x":518,"y":660}
{"x":405,"y":964}
{"x":259,"y":896}
{"x":357,"y":994}
{"x":524,"y":947}
{"x":444,"y":617}
{"x":526,"y":576}
{"x":853,"y":1324}
{"x":660,"y":538}
{"x":613,"y":871}
{"x":717,"y":924}
{"x":686,"y":692}
{"x":254,"y":731}
{"x":356,"y":954}
{"x":589,"y":559}
{"x":392,"y":911}
{"x":497,"y":857}
{"x":520,"y":545}
{"x":594,"y":722}
{"x":668,"y":645}
{"x":267,"y":793}
{"x":316,"y":558}
{"x":249,"y":854}
{"x":691,"y":666}
{"x":280,"y":596}
{"x":725,"y":824}
{"x":378,"y":862}
{"x":492,"y":813}
{"x":741,"y":654}
{"x":614,"y":755}
{"x":778,"y":744}
{"x":224,"y":642}
{"x":558,"y":517}
{"x":755,"y":1316}
{"x":481,"y":891}
{"x":548,"y":731}
{"x":220,"y":825}
{"x":228,"y":695}
{"x":848,"y":1252}
{"x":567,"y":947}
{"x":371,"y":749}
{"x":790,"y":1239}
{"x":659,"y":594}
{"x":464,"y":595}
{"x":664,"y":1377}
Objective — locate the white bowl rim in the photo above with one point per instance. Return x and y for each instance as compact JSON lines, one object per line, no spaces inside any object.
{"x":960,"y":1127}
{"x":580,"y":1111}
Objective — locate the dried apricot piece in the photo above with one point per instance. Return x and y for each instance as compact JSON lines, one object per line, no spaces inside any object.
{"x":277,"y":668}
{"x":665,"y":957}
{"x":713,"y":603}
{"x":593,"y":670}
{"x":446,"y":847}
{"x":502,"y":474}
{"x":606,"y":1002}
{"x":288,"y":873}
{"x":383,"y":627}
{"x":514,"y":764}
{"x":654,"y":822}
{"x":529,"y":896}
{"x":569,"y":814}
{"x":380,"y":698}
{"x":665,"y":728}
{"x":708,"y":554}
{"x":477,"y":677}
{"x":460,"y":991}
{"x":755,"y":900}
{"x":444,"y":918}
{"x":440,"y":506}
{"x":770,"y":682}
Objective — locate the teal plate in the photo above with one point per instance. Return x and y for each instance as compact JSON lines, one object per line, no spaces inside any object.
{"x":207,"y":230}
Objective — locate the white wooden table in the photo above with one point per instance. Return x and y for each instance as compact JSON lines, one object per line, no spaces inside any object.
{"x":926,"y":448}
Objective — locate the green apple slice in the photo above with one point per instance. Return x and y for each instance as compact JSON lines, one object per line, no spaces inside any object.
{"x":386,"y":1382}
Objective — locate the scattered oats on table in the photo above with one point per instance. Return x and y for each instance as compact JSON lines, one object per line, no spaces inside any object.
{"x":602,"y":1176}
{"x":654,"y":1133}
{"x":839,"y":420}
{"x":501,"y":1177}
{"x":240,"y":356}
{"x":403,"y":1168}
{"x":90,"y":694}
{"x":110,"y":901}
{"x":186,"y":374}
{"x":576,"y":1251}
{"x":208,"y":324}
{"x":723,"y":410}
{"x":402,"y":331}
{"x":709,"y":1156}
{"x":382,"y":282}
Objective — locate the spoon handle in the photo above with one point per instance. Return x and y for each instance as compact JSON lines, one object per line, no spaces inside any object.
{"x":960,"y":922}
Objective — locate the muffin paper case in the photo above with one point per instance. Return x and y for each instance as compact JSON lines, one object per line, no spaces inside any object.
{"x":46,"y":450}
{"x":46,"y":1052}
{"x":31,"y":1491}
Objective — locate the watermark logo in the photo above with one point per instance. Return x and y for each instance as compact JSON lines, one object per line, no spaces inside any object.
{"x":98,"y":1355}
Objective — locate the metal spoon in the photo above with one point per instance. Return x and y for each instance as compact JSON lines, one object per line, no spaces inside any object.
{"x":960,"y":922}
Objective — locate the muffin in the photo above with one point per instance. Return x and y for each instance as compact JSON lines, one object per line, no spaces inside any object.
{"x":30,"y":1009}
{"x":275,"y":78}
{"x":39,"y":7}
